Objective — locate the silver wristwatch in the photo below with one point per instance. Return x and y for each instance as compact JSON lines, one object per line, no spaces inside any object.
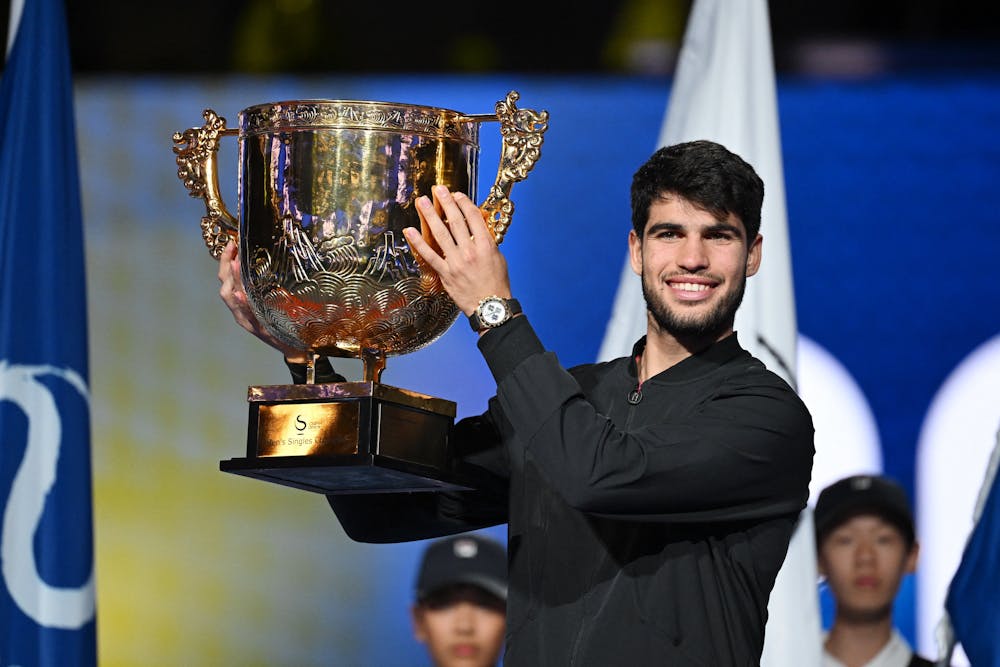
{"x":492,"y":312}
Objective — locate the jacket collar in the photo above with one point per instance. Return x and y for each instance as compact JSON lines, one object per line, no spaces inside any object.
{"x":697,"y":365}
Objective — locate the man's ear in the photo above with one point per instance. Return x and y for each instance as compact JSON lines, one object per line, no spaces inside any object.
{"x":635,"y":252}
{"x":911,"y":558}
{"x":417,"y":617}
{"x":753,"y":255}
{"x":820,"y":561}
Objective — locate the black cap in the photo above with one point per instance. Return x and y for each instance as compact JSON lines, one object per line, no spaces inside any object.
{"x":465,"y":559}
{"x":863,"y":494}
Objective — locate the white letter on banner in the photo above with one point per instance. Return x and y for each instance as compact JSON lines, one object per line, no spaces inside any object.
{"x":49,"y":606}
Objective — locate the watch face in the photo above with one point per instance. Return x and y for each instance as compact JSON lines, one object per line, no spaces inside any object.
{"x":493,"y":312}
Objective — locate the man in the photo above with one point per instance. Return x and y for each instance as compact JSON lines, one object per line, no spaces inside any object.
{"x":461,"y":599}
{"x":650,"y":499}
{"x":865,"y":544}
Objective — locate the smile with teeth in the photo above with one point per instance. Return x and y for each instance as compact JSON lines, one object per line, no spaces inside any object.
{"x":692,"y":290}
{"x":690,"y":287}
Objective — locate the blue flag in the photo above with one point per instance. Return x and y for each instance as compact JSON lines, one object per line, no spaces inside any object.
{"x":47,"y":608}
{"x":973,"y":600}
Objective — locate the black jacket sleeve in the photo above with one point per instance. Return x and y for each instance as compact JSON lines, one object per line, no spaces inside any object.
{"x":746,"y":453}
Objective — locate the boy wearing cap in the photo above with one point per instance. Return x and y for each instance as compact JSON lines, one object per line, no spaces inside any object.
{"x":461,"y":600}
{"x":865,"y":543}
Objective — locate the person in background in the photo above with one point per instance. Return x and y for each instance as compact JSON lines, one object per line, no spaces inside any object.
{"x":460,"y":605}
{"x":865,"y":544}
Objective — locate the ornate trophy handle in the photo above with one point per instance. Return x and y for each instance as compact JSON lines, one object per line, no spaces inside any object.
{"x":196,"y":151}
{"x":521,"y":131}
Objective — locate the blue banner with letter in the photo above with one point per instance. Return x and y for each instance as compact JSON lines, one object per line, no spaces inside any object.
{"x":47,"y":600}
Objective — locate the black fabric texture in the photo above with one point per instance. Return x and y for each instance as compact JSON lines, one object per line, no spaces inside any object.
{"x":638,"y":534}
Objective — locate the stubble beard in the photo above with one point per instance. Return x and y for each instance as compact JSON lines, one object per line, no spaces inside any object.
{"x":705,"y":328}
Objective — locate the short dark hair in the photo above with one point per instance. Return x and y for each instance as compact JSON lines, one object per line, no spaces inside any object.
{"x":706,"y":174}
{"x":876,"y":495}
{"x":452,"y":594}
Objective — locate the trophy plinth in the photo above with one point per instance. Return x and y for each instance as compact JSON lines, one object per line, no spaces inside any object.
{"x":348,"y":437}
{"x":325,"y":189}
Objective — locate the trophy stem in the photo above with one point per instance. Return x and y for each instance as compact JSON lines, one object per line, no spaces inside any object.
{"x":374,"y":364}
{"x":311,"y":368}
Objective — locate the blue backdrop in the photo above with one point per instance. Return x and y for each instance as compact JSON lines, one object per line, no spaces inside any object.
{"x":889,"y":190}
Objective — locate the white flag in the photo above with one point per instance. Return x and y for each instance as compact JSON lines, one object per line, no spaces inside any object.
{"x":724,"y":91}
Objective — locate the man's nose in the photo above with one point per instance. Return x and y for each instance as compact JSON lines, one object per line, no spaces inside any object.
{"x":692,"y":254}
{"x":865,"y":552}
{"x":465,"y":618}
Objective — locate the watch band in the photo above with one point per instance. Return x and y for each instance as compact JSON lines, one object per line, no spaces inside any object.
{"x":512,"y":305}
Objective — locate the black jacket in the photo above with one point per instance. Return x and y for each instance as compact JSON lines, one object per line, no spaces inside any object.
{"x":645,"y":534}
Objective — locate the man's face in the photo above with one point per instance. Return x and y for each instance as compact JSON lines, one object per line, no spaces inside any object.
{"x":466,"y":629}
{"x":864,"y":560}
{"x":693,"y":269}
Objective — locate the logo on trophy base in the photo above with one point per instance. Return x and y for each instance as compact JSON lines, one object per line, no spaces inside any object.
{"x":325,"y":189}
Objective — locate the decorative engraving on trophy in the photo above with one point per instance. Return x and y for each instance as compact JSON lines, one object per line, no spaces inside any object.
{"x":522,"y":131}
{"x":392,"y":260}
{"x":322,"y":299}
{"x":333,"y":114}
{"x":424,"y":122}
{"x":339,"y":254}
{"x":384,"y":117}
{"x":195,"y":149}
{"x":326,"y":188}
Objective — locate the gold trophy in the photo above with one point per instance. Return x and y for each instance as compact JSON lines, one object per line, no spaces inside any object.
{"x":325,"y":189}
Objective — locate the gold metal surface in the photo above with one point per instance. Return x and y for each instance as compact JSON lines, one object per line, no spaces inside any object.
{"x":196,"y":149}
{"x":325,"y":189}
{"x":339,"y":391}
{"x":522,"y":131}
{"x":304,"y":429}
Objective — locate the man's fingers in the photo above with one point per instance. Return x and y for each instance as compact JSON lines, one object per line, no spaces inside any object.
{"x":438,"y":228}
{"x":237,"y":274}
{"x":475,"y":219}
{"x":453,"y":214}
{"x":424,"y":249}
{"x":225,"y":259}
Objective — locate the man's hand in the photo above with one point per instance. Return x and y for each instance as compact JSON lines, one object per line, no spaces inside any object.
{"x":235,"y":298}
{"x":470,"y":264}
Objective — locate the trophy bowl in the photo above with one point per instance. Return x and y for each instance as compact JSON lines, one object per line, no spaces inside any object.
{"x":325,"y":189}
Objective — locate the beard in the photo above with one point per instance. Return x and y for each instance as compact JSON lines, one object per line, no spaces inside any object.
{"x":694,"y":328}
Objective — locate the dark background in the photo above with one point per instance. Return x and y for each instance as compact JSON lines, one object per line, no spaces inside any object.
{"x":842,"y":38}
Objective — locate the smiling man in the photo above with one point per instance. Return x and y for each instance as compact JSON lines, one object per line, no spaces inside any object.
{"x":650,"y":499}
{"x":692,"y":252}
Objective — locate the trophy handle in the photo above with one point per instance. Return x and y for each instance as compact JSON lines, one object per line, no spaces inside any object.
{"x":196,"y":151}
{"x":521,"y":131}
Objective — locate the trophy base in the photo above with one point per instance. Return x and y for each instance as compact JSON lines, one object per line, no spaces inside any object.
{"x":348,"y":438}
